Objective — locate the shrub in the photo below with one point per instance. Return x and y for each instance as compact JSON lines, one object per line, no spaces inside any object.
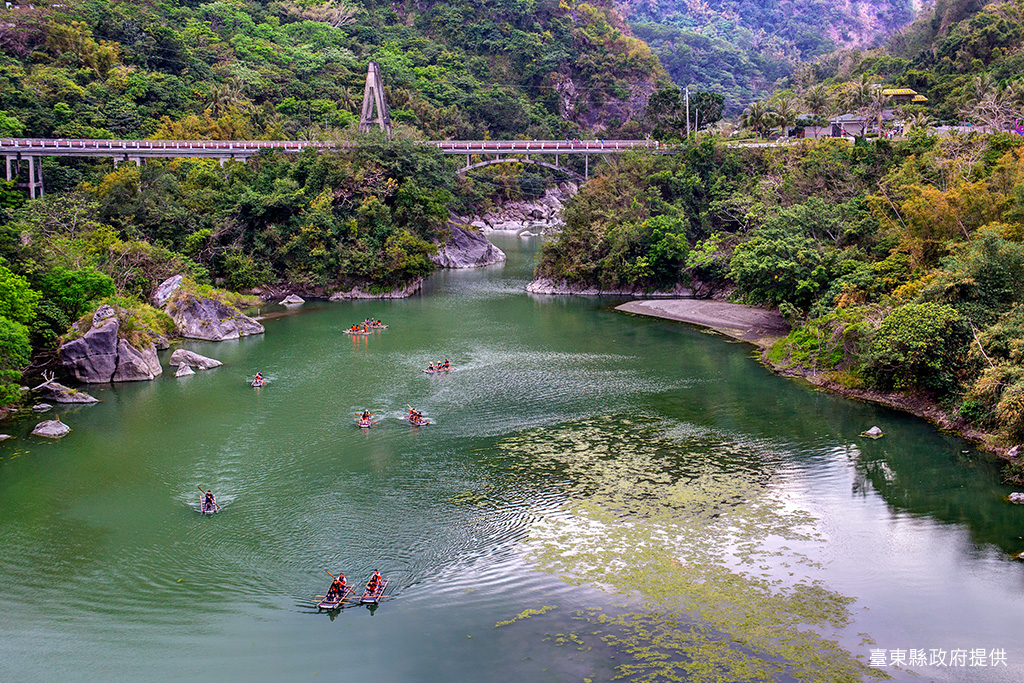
{"x":919,"y":346}
{"x":15,"y":353}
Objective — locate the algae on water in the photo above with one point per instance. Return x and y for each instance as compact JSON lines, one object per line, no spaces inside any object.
{"x":691,"y":526}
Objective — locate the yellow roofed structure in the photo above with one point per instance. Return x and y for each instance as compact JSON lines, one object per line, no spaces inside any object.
{"x":904,"y":95}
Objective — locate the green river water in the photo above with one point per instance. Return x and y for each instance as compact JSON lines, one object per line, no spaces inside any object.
{"x":646,"y":498}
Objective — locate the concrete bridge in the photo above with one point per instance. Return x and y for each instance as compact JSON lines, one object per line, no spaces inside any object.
{"x":31,"y":150}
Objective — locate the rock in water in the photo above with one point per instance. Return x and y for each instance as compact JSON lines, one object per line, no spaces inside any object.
{"x":4,"y":437}
{"x":55,"y":391}
{"x":184,"y":371}
{"x":41,"y":407}
{"x":51,"y":429}
{"x":181,"y":357}
{"x":1017,"y":497}
{"x":165,"y":290}
{"x":292,"y":299}
{"x":466,"y":249}
{"x":199,"y":317}
{"x":873,"y":433}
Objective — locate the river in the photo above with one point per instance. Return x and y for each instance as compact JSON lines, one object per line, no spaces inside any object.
{"x":645,"y":497}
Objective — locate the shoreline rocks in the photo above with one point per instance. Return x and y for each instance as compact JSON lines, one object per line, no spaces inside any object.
{"x":402,"y":292}
{"x":55,"y":391}
{"x":543,"y":215}
{"x":466,"y":249}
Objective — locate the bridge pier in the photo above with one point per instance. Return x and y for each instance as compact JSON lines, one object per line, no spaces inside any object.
{"x":586,"y":166}
{"x":35,"y":172}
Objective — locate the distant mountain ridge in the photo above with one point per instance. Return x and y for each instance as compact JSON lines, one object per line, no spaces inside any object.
{"x":742,"y":49}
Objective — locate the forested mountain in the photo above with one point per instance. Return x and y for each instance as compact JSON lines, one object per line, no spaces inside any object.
{"x":253,"y":68}
{"x":741,"y":49}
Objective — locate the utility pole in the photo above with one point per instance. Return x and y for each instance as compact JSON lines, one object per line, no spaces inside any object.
{"x":687,"y":112}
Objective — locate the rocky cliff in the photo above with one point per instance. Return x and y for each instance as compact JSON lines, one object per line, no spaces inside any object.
{"x":466,"y":249}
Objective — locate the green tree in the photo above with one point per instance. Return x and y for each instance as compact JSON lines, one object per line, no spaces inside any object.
{"x":17,"y":299}
{"x":778,"y":266}
{"x":74,"y":290}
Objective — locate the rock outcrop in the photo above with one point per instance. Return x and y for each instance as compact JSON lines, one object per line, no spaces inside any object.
{"x":543,"y":215}
{"x":51,"y":429}
{"x":184,"y":371}
{"x":165,"y":290}
{"x":466,"y":249}
{"x":100,"y":356}
{"x":181,"y":357}
{"x":292,"y":300}
{"x":200,"y":317}
{"x":399,"y":293}
{"x":547,"y":286}
{"x":55,"y":391}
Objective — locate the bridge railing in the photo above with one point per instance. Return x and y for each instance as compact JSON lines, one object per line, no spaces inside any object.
{"x":228,"y":146}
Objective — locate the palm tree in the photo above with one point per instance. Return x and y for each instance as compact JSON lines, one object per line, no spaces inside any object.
{"x":785,"y":113}
{"x":875,"y":107}
{"x":817,"y":101}
{"x":859,"y":94}
{"x":758,"y":117}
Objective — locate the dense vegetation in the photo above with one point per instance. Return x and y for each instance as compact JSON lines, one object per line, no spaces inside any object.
{"x":236,"y":69}
{"x":901,"y":264}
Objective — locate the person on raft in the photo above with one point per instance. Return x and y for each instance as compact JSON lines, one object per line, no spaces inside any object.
{"x":446,"y":364}
{"x":415,"y":415}
{"x":210,"y":503}
{"x":337,"y":588}
{"x":431,"y":368}
{"x":365,"y":415}
{"x":371,"y":585}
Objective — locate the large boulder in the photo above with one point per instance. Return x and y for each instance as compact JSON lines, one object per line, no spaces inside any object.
{"x":467,"y":249}
{"x":100,"y":356}
{"x":92,"y":357}
{"x":51,"y":429}
{"x":292,"y":300}
{"x":134,"y":364}
{"x":200,"y":317}
{"x":184,"y":371}
{"x":182,"y":357}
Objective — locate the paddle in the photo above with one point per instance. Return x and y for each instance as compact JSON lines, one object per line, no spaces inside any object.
{"x":204,"y":493}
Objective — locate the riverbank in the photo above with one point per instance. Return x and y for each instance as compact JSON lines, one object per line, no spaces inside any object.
{"x":746,"y":323}
{"x":763,"y":328}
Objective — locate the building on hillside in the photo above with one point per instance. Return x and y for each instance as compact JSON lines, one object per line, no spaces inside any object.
{"x":904,"y":95}
{"x":856,"y":125}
